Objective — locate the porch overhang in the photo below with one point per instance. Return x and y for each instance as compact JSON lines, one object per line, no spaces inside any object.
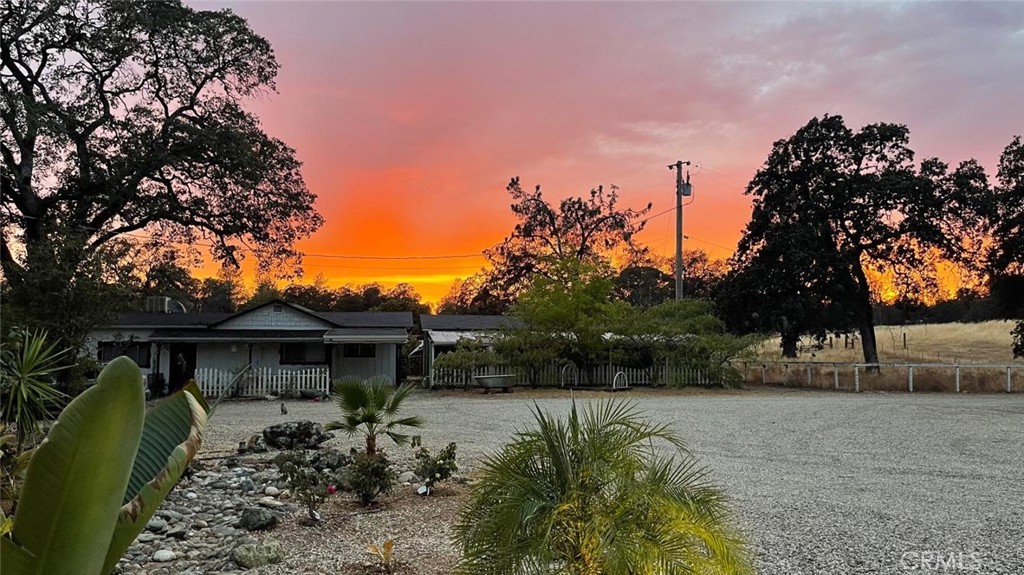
{"x":237,"y":335}
{"x":366,"y":335}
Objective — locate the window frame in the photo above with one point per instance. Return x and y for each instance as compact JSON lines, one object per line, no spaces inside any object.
{"x":142,"y":349}
{"x":360,"y":351}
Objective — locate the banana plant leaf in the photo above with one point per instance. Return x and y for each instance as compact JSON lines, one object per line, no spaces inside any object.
{"x":171,"y":437}
{"x":75,"y":482}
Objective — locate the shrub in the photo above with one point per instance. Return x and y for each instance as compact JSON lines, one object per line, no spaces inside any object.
{"x":27,"y":367}
{"x":436,"y":469}
{"x":306,"y":483}
{"x":370,"y":476}
{"x":592,"y":494}
{"x":371,"y":407}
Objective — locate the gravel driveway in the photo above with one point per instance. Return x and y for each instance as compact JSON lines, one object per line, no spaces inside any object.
{"x":822,"y":483}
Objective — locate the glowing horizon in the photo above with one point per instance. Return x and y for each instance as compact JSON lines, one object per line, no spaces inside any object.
{"x":411,"y":118}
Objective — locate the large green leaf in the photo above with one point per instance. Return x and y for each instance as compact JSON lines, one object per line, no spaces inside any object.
{"x":170,"y":439}
{"x":74,"y":484}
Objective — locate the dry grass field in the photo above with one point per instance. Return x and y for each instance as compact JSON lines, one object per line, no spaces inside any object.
{"x":986,"y":342}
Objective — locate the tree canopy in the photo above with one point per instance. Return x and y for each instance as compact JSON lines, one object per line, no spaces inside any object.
{"x":832,"y":201}
{"x":124,"y":117}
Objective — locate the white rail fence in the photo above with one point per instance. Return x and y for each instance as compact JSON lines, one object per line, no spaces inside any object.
{"x":956,"y":377}
{"x":566,"y":375}
{"x":261,"y":381}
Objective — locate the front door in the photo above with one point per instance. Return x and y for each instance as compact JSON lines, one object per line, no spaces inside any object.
{"x":183,"y":365}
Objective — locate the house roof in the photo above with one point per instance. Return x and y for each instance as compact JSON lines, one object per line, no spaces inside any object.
{"x":242,"y":335}
{"x":379,"y":319}
{"x":450,"y":337}
{"x":454,"y":322}
{"x":367,"y":335}
{"x":367,"y":319}
{"x":159,"y":319}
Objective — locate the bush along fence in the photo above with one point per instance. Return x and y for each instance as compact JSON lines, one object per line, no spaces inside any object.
{"x":603,"y":375}
{"x":261,"y":381}
{"x":954,"y":377}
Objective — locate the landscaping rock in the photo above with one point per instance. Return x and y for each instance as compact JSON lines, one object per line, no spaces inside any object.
{"x":330,"y":460}
{"x":296,"y":434}
{"x":407,"y":477}
{"x":156,"y":525}
{"x":253,"y":555}
{"x":164,"y":555}
{"x":257,"y":519}
{"x":272,"y":491}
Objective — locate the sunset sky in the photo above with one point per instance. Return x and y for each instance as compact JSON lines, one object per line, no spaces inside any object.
{"x":410,"y":118}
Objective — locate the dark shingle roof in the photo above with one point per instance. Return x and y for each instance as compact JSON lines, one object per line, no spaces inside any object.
{"x":238,"y":334}
{"x":151,"y":319}
{"x":368,"y":318}
{"x":454,"y":322}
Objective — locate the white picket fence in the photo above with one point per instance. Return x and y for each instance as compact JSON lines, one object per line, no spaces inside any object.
{"x":261,"y":381}
{"x":556,"y":375}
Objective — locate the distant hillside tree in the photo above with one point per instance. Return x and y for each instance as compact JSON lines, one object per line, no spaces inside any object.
{"x":862,"y":190}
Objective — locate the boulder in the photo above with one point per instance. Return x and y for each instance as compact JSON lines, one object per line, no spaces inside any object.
{"x":330,"y":460}
{"x":164,"y":556}
{"x":253,"y":555}
{"x":257,"y":519}
{"x":296,"y":435}
{"x":407,"y":477}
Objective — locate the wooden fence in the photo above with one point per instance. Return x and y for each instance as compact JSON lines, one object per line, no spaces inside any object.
{"x":261,"y":381}
{"x":955,"y":377}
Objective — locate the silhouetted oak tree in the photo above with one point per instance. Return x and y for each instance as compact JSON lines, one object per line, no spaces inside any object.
{"x":1006,"y":259}
{"x":127,"y":116}
{"x":862,"y":190}
{"x":584,"y":229}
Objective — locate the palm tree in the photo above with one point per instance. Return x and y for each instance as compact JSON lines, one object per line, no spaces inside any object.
{"x":589,"y":496}
{"x":371,"y":407}
{"x":27,"y":366}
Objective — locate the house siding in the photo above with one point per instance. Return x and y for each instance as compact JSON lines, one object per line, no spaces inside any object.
{"x":266,"y":318}
{"x":383,"y":363}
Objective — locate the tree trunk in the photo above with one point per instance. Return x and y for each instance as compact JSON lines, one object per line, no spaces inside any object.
{"x":371,"y":445}
{"x":789,"y":340}
{"x":866,"y":320}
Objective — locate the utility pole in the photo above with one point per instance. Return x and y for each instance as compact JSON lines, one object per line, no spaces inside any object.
{"x":682,"y":189}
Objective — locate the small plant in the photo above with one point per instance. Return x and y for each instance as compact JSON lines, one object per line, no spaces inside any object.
{"x":434,"y":470}
{"x":27,"y":366}
{"x":371,"y":476}
{"x":308,"y":485}
{"x":384,"y":553}
{"x":13,"y":464}
{"x":371,"y":407}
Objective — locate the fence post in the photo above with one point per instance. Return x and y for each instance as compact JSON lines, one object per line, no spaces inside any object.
{"x":764,"y":379}
{"x":856,"y":378}
{"x":808,"y":376}
{"x":835,"y":376}
{"x":1009,"y":380}
{"x":910,"y":378}
{"x":958,"y":378}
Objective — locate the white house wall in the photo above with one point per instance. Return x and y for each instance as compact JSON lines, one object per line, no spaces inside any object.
{"x":129,"y":334}
{"x":382,"y":364}
{"x":266,"y":318}
{"x":231,"y":357}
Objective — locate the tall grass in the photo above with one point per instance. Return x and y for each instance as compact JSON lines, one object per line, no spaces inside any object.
{"x":985,"y":342}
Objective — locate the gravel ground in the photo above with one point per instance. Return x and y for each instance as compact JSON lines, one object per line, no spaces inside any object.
{"x":821,"y":483}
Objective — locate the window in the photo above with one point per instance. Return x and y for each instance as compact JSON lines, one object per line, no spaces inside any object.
{"x":278,"y":308}
{"x":299,"y":353}
{"x":359,"y":350}
{"x":138,"y":352}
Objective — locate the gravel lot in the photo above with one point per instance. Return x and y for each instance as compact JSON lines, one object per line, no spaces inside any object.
{"x":821,"y":483}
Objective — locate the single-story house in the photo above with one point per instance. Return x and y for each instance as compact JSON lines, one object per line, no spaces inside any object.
{"x":271,"y":343}
{"x":441,"y":333}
